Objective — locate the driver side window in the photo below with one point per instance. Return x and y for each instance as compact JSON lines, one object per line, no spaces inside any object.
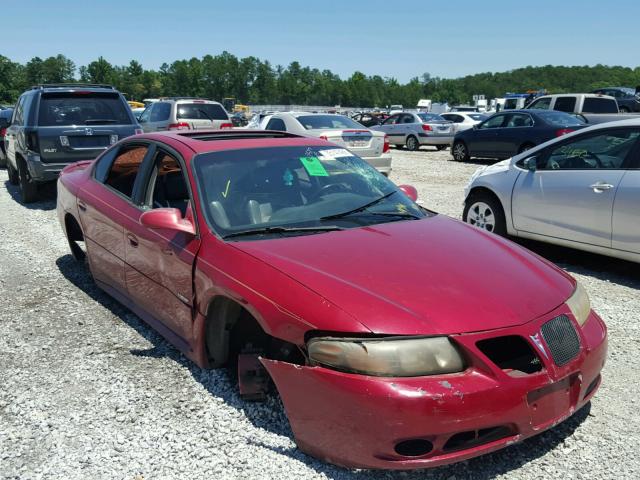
{"x":607,"y":150}
{"x":494,"y":122}
{"x":167,"y":187}
{"x":392,"y":120}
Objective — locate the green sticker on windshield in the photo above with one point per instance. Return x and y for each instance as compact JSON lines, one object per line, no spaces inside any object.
{"x":313,"y":166}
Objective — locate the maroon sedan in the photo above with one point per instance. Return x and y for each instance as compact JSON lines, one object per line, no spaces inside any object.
{"x":397,"y":338}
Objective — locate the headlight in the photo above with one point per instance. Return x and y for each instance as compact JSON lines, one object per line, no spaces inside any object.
{"x":397,"y":357}
{"x":579,"y":304}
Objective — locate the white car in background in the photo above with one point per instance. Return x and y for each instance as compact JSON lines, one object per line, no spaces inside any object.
{"x":371,"y":146}
{"x":464,"y":120}
{"x":581,"y":190}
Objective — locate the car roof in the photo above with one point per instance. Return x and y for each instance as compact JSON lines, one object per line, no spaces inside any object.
{"x":72,"y":87}
{"x":205,"y":141}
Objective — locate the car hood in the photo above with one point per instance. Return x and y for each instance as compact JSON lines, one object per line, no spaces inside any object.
{"x":420,"y":277}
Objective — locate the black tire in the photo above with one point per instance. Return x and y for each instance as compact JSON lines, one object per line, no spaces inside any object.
{"x":460,"y":152}
{"x":479,"y":207}
{"x":412,"y":143}
{"x":624,"y":110}
{"x":526,"y":146}
{"x":14,"y":179}
{"x":3,"y":162}
{"x":441,"y":147}
{"x":28,"y":186}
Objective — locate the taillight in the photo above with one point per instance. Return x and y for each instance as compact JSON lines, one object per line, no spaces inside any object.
{"x":426,"y":128}
{"x":179,"y":126}
{"x":563,"y":131}
{"x":138,"y":131}
{"x":32,"y":142}
{"x":226,"y":125}
{"x":2,"y":132}
{"x":386,"y":147}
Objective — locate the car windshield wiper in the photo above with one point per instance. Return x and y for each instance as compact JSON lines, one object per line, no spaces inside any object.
{"x":359,"y":209}
{"x":258,"y":231}
{"x":205,"y":114}
{"x":92,"y":121}
{"x":396,"y":214}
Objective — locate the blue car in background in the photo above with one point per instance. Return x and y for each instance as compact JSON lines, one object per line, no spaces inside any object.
{"x":506,"y":134}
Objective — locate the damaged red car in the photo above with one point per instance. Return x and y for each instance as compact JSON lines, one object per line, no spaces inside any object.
{"x":397,"y":338}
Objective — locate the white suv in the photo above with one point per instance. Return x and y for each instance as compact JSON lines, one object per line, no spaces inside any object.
{"x":178,"y":113}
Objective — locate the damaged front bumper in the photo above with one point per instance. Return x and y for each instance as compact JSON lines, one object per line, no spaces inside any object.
{"x":360,"y":421}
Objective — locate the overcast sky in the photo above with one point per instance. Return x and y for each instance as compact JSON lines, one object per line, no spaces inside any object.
{"x":390,"y":38}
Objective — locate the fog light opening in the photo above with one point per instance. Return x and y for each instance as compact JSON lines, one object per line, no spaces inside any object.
{"x":414,"y":448}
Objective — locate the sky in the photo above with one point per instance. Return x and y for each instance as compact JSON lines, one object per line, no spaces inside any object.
{"x":400,"y":39}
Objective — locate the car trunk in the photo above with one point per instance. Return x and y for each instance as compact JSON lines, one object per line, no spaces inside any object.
{"x":440,"y":128}
{"x":363,"y":143}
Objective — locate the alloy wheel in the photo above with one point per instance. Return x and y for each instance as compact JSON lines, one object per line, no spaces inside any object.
{"x":481,"y":215}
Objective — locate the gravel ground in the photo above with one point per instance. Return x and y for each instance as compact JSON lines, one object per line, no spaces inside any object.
{"x":89,"y":391}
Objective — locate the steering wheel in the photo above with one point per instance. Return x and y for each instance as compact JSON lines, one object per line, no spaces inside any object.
{"x":327,"y":189}
{"x":589,"y":154}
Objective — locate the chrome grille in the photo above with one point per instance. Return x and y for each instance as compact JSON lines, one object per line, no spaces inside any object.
{"x":562,"y":339}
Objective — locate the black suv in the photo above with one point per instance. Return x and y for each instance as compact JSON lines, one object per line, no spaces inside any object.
{"x":57,"y":124}
{"x":627,"y":98}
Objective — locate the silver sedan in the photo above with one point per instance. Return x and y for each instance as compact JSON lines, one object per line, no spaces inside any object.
{"x":581,"y":190}
{"x":415,"y":129}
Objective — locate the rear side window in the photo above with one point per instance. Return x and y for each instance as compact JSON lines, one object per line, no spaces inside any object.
{"x":565,"y":104}
{"x":276,"y":124}
{"x":160,"y":112}
{"x":79,"y":108}
{"x":201,"y":111}
{"x":541,"y":103}
{"x":599,"y":105}
{"x":122,"y":175}
{"x":18,"y":114}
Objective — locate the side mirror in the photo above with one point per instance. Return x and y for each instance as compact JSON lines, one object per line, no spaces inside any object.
{"x":531,"y":164}
{"x":410,"y":191}
{"x":167,"y":218}
{"x":475,"y":126}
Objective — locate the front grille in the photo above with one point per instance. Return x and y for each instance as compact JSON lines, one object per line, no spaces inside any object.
{"x":562,"y":339}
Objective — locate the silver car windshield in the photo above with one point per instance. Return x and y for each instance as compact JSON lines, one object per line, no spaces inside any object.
{"x":258,"y":188}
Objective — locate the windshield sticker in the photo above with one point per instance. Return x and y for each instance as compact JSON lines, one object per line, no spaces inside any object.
{"x":335,"y":153}
{"x":313,"y":167}
{"x":226,"y":190}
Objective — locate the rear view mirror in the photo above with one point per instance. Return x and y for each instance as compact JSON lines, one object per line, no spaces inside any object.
{"x":167,"y":218}
{"x":410,"y":191}
{"x":531,"y":164}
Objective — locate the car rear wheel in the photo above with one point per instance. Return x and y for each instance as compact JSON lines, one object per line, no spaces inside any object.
{"x":484,"y":211}
{"x":412,"y":143}
{"x":13,"y":174}
{"x":624,"y":110}
{"x":28,"y":186}
{"x":460,"y":152}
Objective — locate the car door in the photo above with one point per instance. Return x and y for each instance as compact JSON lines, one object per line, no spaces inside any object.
{"x":407,"y":125}
{"x":390,"y":127}
{"x":11,"y":135}
{"x":517,"y":131}
{"x":626,"y":220}
{"x":483,"y":140}
{"x":158,"y":262}
{"x":105,"y":205}
{"x":571,"y":194}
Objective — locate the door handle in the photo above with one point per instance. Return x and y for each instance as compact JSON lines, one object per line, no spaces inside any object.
{"x":167,"y":251}
{"x":601,"y":187}
{"x":133,"y":241}
{"x":82,"y":206}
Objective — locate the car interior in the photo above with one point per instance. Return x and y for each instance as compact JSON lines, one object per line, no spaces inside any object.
{"x":169,"y":186}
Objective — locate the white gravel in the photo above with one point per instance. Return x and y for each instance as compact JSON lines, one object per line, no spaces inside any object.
{"x":87,"y":390}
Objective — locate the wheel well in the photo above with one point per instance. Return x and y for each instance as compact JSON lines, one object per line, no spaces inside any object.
{"x":74,"y":232}
{"x":231,"y":330}
{"x":482,"y":190}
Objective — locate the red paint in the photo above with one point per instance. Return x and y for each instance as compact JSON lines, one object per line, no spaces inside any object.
{"x":429,"y":277}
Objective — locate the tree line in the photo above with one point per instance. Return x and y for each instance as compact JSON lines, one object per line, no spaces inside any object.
{"x":251,"y":80}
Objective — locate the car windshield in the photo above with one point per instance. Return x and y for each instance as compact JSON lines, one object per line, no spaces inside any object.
{"x":83,"y":108}
{"x":431,"y":117}
{"x":324,"y":122}
{"x":560,"y":119}
{"x":253,"y":190}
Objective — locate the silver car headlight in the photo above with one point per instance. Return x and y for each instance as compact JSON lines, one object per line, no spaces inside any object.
{"x":392,"y":357}
{"x":579,"y":304}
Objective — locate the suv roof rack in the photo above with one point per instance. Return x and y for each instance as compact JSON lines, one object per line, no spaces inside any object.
{"x":183,"y":98}
{"x":71,"y":85}
{"x":238,"y":135}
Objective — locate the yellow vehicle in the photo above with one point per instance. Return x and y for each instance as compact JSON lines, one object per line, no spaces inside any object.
{"x":241,"y":108}
{"x":134,"y":104}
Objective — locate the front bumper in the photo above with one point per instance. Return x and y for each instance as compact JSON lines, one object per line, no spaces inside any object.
{"x":358,"y":421}
{"x":381,"y":163}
